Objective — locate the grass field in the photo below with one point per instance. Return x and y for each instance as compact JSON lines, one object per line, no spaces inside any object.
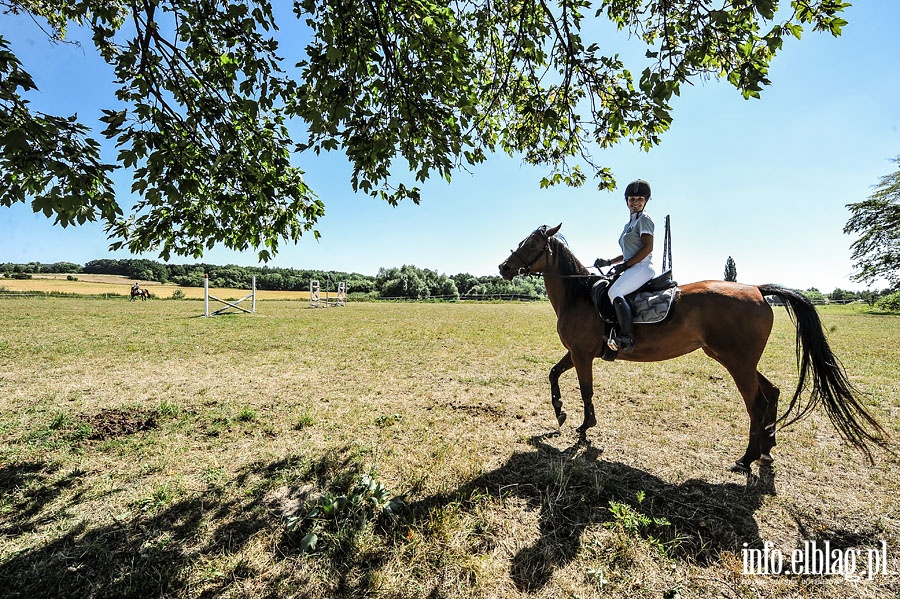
{"x":149,"y":452}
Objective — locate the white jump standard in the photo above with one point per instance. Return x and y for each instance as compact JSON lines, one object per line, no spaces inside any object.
{"x":228,"y":305}
{"x":315,"y":297}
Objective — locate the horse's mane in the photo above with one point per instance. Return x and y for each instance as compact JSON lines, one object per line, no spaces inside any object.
{"x":569,"y":265}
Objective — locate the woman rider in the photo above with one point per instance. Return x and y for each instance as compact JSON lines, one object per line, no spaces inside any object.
{"x":634,"y":264}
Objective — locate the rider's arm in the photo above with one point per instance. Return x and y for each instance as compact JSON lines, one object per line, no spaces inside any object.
{"x":646,"y":248}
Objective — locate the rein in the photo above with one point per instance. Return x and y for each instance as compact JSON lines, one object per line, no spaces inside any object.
{"x":526,"y":269}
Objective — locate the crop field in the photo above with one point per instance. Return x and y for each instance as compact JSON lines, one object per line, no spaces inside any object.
{"x":410,"y":450}
{"x":118,"y":285}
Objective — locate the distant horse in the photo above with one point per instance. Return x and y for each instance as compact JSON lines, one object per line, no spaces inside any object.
{"x":730,"y":322}
{"x":144,"y":294}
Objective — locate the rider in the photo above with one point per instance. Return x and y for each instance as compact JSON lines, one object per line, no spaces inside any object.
{"x":634,"y":263}
{"x":136,"y":287}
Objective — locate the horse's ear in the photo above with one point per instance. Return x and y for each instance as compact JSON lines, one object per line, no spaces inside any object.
{"x":554,"y":230}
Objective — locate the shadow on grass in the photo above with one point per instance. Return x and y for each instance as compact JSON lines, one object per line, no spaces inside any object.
{"x":143,"y":557}
{"x":176,"y":549}
{"x":153,"y":553}
{"x":573,"y":489}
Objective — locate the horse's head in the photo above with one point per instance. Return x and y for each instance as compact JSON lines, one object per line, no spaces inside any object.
{"x":532,"y":254}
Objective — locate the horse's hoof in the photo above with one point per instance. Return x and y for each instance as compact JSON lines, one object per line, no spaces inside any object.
{"x":739,"y":468}
{"x":561,"y":418}
{"x":765,"y":460}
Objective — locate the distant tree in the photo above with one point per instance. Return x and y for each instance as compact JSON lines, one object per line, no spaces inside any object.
{"x":360,"y":284}
{"x":520,"y":287}
{"x":889,"y":303}
{"x":414,"y":283}
{"x":730,"y":270}
{"x":814,"y":295}
{"x":63,"y":267}
{"x":870,"y":297}
{"x":839,"y":295}
{"x":877,"y":221}
{"x":464,"y":282}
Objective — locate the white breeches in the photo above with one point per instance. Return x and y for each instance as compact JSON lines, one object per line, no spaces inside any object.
{"x":631,"y":280}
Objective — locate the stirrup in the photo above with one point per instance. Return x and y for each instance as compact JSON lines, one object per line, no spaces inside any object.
{"x":612,"y":342}
{"x":624,"y":344}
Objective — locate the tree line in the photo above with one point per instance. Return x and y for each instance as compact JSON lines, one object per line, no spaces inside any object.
{"x":405,"y":282}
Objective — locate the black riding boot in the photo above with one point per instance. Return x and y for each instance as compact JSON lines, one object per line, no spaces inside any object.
{"x":624,"y":341}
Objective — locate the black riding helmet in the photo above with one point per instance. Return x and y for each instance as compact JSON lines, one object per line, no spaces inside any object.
{"x":638,"y":187}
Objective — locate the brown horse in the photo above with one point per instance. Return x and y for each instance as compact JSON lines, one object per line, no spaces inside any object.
{"x":144,"y":294}
{"x":730,"y":322}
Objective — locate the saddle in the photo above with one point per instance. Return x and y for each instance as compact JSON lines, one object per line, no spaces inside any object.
{"x":650,"y":303}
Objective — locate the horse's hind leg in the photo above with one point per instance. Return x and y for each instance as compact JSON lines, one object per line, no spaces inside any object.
{"x":749,"y":385}
{"x":555,"y":395}
{"x":761,"y":400}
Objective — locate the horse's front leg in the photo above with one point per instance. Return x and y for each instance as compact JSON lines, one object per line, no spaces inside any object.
{"x":584,"y":368}
{"x":555,"y":394}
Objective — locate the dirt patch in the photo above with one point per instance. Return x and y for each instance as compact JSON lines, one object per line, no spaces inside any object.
{"x":108,"y":424}
{"x":480,"y":409}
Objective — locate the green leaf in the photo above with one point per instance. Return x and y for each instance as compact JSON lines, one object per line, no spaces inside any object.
{"x":308,"y":543}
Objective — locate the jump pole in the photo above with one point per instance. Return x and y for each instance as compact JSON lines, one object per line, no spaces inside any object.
{"x":207,"y":297}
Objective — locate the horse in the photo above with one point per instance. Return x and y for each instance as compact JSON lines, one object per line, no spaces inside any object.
{"x":144,"y":294}
{"x":729,"y":321}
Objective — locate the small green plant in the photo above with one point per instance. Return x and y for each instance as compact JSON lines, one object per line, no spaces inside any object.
{"x":246,"y":415}
{"x":637,"y":524}
{"x":213,"y":474}
{"x":178,"y":294}
{"x":161,"y":497}
{"x":71,"y":278}
{"x":63,"y":428}
{"x":168,"y":409}
{"x":303,"y":420}
{"x":335,"y":515}
{"x":60,"y":421}
{"x":388,"y":419}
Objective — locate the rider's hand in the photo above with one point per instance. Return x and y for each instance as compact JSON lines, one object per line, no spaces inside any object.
{"x":600,"y":262}
{"x":620,"y":267}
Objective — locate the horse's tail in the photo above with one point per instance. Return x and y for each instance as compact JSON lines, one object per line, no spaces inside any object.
{"x":830,"y":384}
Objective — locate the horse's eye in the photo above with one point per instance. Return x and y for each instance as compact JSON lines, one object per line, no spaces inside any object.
{"x":532,"y":245}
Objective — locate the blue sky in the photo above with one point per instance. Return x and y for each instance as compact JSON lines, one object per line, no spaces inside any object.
{"x":764,"y":181}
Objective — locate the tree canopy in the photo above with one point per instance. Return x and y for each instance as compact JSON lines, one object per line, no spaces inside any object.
{"x":877,"y":222}
{"x":204,"y":101}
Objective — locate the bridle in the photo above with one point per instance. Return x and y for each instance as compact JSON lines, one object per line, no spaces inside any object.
{"x":548,"y":249}
{"x":526,"y":268}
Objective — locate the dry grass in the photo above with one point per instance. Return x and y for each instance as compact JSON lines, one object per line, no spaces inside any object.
{"x":118,"y":285}
{"x":147,"y":452}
